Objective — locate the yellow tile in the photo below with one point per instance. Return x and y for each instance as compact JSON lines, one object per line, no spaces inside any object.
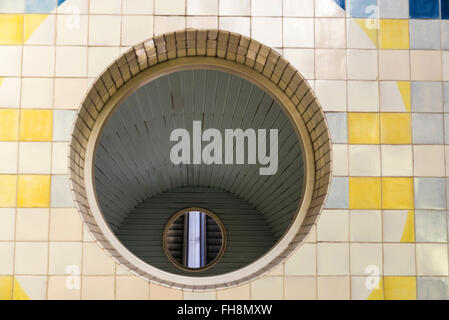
{"x":397,"y":193}
{"x":19,"y":293}
{"x":395,"y":128}
{"x":8,"y":187}
{"x":11,"y":28}
{"x":9,"y":125}
{"x":408,"y":234}
{"x":377,"y":293}
{"x":394,"y":34}
{"x":5,"y":287}
{"x":32,"y":22}
{"x":405,"y":90}
{"x":363,"y":128}
{"x":400,"y":288}
{"x":364,"y":193}
{"x":365,"y":24}
{"x":33,"y":191}
{"x":36,"y":125}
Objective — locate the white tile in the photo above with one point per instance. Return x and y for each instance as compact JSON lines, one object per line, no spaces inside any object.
{"x":397,"y":161}
{"x":266,"y":8}
{"x":71,"y":61}
{"x":7,"y":224}
{"x":332,"y":94}
{"x":63,"y":256}
{"x":330,"y":33}
{"x":333,"y":225}
{"x":104,"y":30}
{"x":10,"y":92}
{"x":168,"y":24}
{"x":364,"y":160}
{"x":38,"y":61}
{"x":298,"y":8}
{"x":69,"y":92}
{"x":99,"y":58}
{"x":333,"y":258}
{"x":303,"y":60}
{"x":362,"y":64}
{"x":197,"y":22}
{"x":399,"y":259}
{"x":37,"y":93}
{"x":137,"y":7}
{"x":105,"y":6}
{"x":431,"y":259}
{"x":330,"y":64}
{"x":302,"y":262}
{"x":364,"y":256}
{"x":32,"y":224}
{"x":7,"y":260}
{"x":35,"y":157}
{"x":31,"y":258}
{"x":267,"y":30}
{"x":202,"y":7}
{"x":363,"y":96}
{"x":340,"y":160}
{"x":59,"y":158}
{"x":173,"y":7}
{"x":298,"y":32}
{"x":45,"y":33}
{"x":136,"y":29}
{"x":365,"y":226}
{"x":72,"y":30}
{"x":8,"y":157}
{"x":241,"y":25}
{"x":12,"y":54}
{"x":234,"y":8}
{"x":429,"y":160}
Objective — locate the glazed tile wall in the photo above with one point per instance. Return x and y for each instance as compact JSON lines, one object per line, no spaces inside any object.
{"x":379,"y":70}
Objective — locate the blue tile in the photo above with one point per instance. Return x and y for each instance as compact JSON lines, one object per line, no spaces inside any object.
{"x":62,"y":124}
{"x":427,"y":128}
{"x":430,"y":193}
{"x":445,"y":9}
{"x":427,"y":97}
{"x":40,"y":6}
{"x":396,"y":9}
{"x":425,"y":9}
{"x":61,"y":195}
{"x":425,"y":34}
{"x":341,"y":3}
{"x":432,"y":288}
{"x":338,"y":194}
{"x":12,"y":6}
{"x":431,"y":226}
{"x":61,"y":2}
{"x":338,"y":126}
{"x":363,"y":8}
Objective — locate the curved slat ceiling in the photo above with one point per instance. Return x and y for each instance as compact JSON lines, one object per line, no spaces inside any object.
{"x":132,"y":161}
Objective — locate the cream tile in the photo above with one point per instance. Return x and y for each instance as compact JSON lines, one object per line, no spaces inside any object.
{"x":363,"y":96}
{"x":64,"y":256}
{"x":330,"y":33}
{"x":163,"y":293}
{"x":38,"y":61}
{"x":100,"y":58}
{"x":241,"y":25}
{"x":8,"y":157}
{"x":302,"y":262}
{"x":198,"y":22}
{"x":132,"y":288}
{"x":44,"y":34}
{"x":168,"y":24}
{"x":191,"y":295}
{"x":330,"y":64}
{"x":71,"y":61}
{"x":97,"y":288}
{"x":431,"y":259}
{"x":397,"y":161}
{"x":59,"y":158}
{"x":333,"y":258}
{"x":266,"y":8}
{"x":174,"y":7}
{"x":236,"y":293}
{"x":340,"y":160}
{"x":357,"y":37}
{"x":364,"y":160}
{"x":137,"y":7}
{"x":364,"y":256}
{"x":426,"y":65}
{"x":104,"y":30}
{"x":202,"y":7}
{"x":267,"y":31}
{"x":445,"y":63}
{"x":35,"y":157}
{"x":332,"y":94}
{"x":394,"y":65}
{"x":333,"y":226}
{"x":34,"y":286}
{"x":37,"y":93}
{"x":300,"y":288}
{"x":303,"y":60}
{"x":58,"y":289}
{"x":362,"y":65}
{"x":333,"y":288}
{"x":31,"y":258}
{"x":72,"y":30}
{"x":136,"y":29}
{"x":69,"y":92}
{"x":429,"y":160}
{"x":399,"y":259}
{"x":298,"y":8}
{"x":7,"y":224}
{"x":234,"y":8}
{"x":96,"y":261}
{"x":365,"y":226}
{"x":12,"y":54}
{"x":7,"y":260}
{"x":65,"y":225}
{"x":32,"y":224}
{"x":267,"y":288}
{"x":10,"y":92}
{"x":105,"y":6}
{"x":298,"y":32}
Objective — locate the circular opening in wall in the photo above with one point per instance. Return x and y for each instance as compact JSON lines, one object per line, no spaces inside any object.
{"x":194,"y":239}
{"x":175,"y":124}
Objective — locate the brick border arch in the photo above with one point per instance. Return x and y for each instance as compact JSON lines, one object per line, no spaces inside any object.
{"x":203,"y":48}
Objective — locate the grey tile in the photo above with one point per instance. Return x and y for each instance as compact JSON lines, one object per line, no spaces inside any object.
{"x":425,"y":34}
{"x":430,"y":226}
{"x":445,"y":34}
{"x":446,"y":96}
{"x":338,"y":194}
{"x":61,"y":195}
{"x":427,"y":97}
{"x":432,"y":288}
{"x":427,"y":128}
{"x":446,"y":128}
{"x":395,"y":9}
{"x":62,"y":124}
{"x":338,"y":126}
{"x":430,"y":193}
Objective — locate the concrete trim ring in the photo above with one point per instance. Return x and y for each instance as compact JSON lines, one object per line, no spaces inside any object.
{"x":212,"y":49}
